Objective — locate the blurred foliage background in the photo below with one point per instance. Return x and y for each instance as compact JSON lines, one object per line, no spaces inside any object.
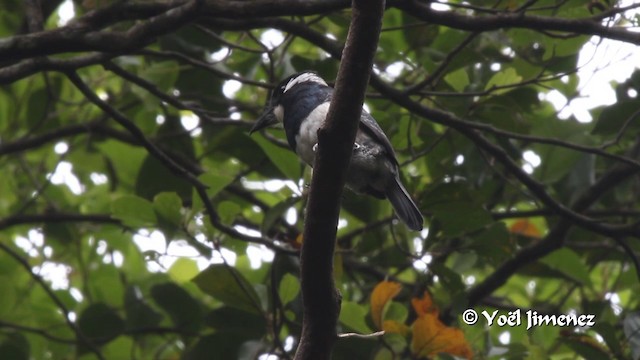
{"x":139,"y":220}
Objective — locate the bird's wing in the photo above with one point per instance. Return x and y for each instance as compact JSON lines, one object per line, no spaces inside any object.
{"x":369,"y":125}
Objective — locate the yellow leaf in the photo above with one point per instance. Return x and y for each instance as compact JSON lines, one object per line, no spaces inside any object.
{"x":525,"y":228}
{"x":381,"y":295}
{"x":298,"y":241}
{"x":392,"y":326}
{"x":424,"y":305}
{"x":432,"y":337}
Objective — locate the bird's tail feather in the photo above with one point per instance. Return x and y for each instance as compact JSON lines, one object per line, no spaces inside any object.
{"x":403,"y":205}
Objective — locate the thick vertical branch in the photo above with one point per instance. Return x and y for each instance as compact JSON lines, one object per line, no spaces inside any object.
{"x":335,"y":142}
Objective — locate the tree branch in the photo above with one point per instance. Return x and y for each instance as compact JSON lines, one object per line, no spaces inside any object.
{"x":55,"y":218}
{"x":320,"y":298}
{"x":556,"y":236}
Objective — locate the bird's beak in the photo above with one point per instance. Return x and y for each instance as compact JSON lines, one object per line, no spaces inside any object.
{"x":268,"y":118}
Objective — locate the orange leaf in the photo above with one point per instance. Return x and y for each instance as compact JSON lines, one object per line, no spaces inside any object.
{"x":381,"y":295}
{"x":298,"y":241}
{"x":525,"y":228}
{"x":432,"y":337}
{"x":424,"y":305}
{"x":392,"y":326}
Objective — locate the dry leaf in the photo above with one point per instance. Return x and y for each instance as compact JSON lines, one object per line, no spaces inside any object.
{"x":381,"y":295}
{"x":424,"y":305}
{"x":392,"y":326}
{"x":525,"y":228}
{"x":432,"y":337}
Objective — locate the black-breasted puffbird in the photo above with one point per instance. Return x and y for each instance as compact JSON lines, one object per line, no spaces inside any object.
{"x":301,"y":102}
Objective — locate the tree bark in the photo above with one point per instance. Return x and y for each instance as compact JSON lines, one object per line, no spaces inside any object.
{"x":320,"y":298}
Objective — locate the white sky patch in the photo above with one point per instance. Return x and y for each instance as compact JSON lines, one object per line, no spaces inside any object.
{"x":600,"y":62}
{"x":66,"y":12}
{"x":63,"y":175}
{"x":155,"y":241}
{"x":220,"y":54}
{"x":76,"y":294}
{"x":423,"y":263}
{"x":268,"y":357}
{"x":31,"y":243}
{"x":395,"y":69}
{"x":98,"y":178}
{"x":271,"y":38}
{"x":288,"y":343}
{"x":532,"y":158}
{"x":151,"y":242}
{"x":273,"y":185}
{"x":190,"y":122}
{"x":228,"y":255}
{"x":61,"y":148}
{"x":54,"y":273}
{"x":291,"y":217}
{"x":117,"y":258}
{"x":439,"y":6}
{"x":103,"y":95}
{"x":230,"y":88}
{"x":249,"y":232}
{"x":255,"y":260}
{"x":504,"y":338}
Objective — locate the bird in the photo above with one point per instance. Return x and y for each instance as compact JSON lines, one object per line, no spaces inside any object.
{"x":301,"y":103}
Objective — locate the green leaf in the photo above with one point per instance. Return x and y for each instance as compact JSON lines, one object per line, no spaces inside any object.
{"x":134,"y":211}
{"x":276,"y":212}
{"x":508,"y":76}
{"x":458,"y":217}
{"x":241,"y":323}
{"x":215,"y":182}
{"x":493,"y":243}
{"x":154,"y":176}
{"x":458,"y":79}
{"x":183,"y":270}
{"x":15,"y":347}
{"x":185,"y":311}
{"x":569,"y":263}
{"x":138,"y":313}
{"x":285,"y":160}
{"x":586,"y":349}
{"x":353,"y":316}
{"x":229,"y":286}
{"x":223,"y":345}
{"x":613,"y":118}
{"x":99,"y":324}
{"x":162,"y":74}
{"x":228,"y":210}
{"x":167,"y":206}
{"x":396,"y":311}
{"x":289,"y":288}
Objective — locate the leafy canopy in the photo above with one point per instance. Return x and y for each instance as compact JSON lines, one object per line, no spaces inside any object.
{"x":138,"y":219}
